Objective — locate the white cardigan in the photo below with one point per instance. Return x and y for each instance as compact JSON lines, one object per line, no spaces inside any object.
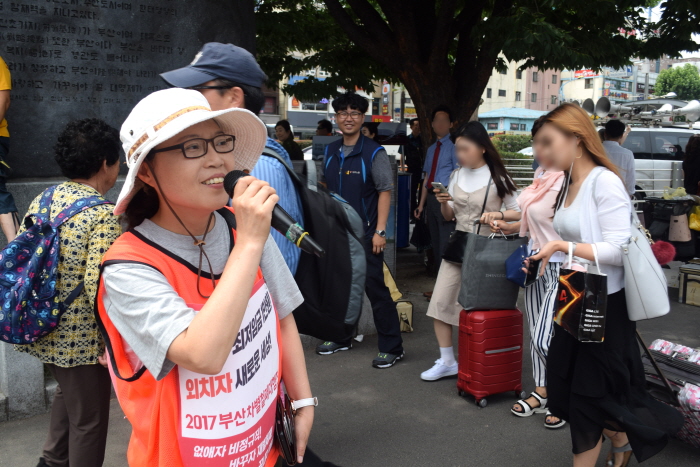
{"x":605,"y":221}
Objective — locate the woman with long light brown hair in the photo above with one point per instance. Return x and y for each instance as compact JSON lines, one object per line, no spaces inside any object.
{"x":599,"y":388}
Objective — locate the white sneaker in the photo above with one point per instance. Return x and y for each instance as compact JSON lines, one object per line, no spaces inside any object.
{"x":439,"y":370}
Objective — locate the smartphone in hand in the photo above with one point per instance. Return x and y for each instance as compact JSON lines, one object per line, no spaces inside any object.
{"x":440,"y":187}
{"x":533,"y":271}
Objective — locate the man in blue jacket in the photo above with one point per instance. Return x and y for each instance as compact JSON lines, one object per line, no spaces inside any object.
{"x":358,"y":169}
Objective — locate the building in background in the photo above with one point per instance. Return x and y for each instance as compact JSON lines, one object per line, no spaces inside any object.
{"x":510,"y":120}
{"x":528,"y":88}
{"x":271,"y":112}
{"x":505,"y":89}
{"x":623,"y":85}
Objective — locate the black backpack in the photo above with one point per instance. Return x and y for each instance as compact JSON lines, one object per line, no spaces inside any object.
{"x":332,"y":286}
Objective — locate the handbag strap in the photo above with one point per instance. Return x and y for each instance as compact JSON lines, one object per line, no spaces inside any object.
{"x":594,"y":247}
{"x":595,"y":256}
{"x":662,"y":377}
{"x":483,"y":207}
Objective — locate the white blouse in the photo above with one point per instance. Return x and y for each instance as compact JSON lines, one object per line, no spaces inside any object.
{"x":470,"y":180}
{"x":602,"y":218}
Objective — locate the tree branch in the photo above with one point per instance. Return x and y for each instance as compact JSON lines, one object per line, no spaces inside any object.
{"x":387,"y":54}
{"x":372,"y":20}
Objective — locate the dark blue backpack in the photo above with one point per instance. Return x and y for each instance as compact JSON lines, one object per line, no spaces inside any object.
{"x":29,"y":304}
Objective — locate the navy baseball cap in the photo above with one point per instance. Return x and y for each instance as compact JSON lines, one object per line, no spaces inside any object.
{"x":217,"y":60}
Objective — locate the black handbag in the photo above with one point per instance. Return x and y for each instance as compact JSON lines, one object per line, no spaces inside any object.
{"x":457,"y":244}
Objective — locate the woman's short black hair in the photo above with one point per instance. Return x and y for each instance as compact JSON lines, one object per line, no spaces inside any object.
{"x":373,"y":128}
{"x":84,"y":145}
{"x":287,"y":127}
{"x":352,"y":100}
{"x":325,"y":125}
{"x":442,"y":108}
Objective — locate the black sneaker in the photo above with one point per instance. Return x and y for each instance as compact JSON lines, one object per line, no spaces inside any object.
{"x":328,"y":348}
{"x":386,"y":360}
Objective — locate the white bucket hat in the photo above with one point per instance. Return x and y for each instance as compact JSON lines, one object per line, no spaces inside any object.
{"x":164,"y":114}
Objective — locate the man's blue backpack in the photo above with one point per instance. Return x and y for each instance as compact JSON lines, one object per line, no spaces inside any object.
{"x":29,"y":304}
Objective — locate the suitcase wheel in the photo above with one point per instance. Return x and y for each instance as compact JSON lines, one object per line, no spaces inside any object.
{"x":460,"y":393}
{"x":482,"y":403}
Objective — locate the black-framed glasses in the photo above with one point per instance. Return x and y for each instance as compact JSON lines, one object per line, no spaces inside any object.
{"x":198,"y":147}
{"x":344,"y":115}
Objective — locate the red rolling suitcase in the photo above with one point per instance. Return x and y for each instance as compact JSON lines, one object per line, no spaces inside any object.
{"x":490,"y":353}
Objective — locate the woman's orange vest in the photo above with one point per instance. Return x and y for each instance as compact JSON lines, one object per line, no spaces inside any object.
{"x":153,"y":407}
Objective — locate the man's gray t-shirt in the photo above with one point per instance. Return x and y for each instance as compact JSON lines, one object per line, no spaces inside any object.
{"x":382,"y":174}
{"x":147,"y":311}
{"x":381,"y":169}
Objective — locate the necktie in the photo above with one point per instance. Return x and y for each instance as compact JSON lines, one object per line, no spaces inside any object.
{"x":433,"y":169}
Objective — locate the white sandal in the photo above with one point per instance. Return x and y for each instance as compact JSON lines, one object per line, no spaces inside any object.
{"x":527,"y":409}
{"x":553,"y":426}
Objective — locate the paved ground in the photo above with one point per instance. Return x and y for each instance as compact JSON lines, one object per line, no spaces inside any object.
{"x":387,"y":418}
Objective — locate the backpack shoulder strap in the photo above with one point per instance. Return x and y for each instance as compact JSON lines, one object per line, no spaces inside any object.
{"x":80,"y":205}
{"x":292,"y":174}
{"x":44,"y":208}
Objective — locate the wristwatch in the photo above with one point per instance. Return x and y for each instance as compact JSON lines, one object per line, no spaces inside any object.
{"x":381,"y":233}
{"x":301,"y":403}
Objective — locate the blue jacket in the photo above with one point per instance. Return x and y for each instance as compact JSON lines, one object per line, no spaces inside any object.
{"x":272,"y":171}
{"x":350,"y":175}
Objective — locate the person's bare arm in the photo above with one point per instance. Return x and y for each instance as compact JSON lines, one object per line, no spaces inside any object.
{"x":421,"y":204}
{"x":383,"y":206}
{"x":296,"y":380}
{"x":205,"y":345}
{"x":4,"y":103}
{"x":508,"y":216}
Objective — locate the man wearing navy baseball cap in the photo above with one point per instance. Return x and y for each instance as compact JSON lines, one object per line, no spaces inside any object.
{"x":229,"y":76}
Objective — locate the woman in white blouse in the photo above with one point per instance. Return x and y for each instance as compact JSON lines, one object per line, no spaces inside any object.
{"x":599,"y":388}
{"x":481,"y":184}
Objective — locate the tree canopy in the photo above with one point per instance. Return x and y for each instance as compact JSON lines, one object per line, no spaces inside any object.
{"x":684,"y":81}
{"x":443,"y":51}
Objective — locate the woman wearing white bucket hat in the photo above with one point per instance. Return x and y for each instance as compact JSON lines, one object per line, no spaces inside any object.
{"x":194,"y":304}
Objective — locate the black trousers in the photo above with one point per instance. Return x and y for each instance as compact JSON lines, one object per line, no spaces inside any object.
{"x":386,"y":318}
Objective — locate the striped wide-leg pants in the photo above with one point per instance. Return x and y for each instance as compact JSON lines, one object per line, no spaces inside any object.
{"x":540,"y":300}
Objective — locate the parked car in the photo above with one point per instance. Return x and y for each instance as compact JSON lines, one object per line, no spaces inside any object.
{"x":658,"y":158}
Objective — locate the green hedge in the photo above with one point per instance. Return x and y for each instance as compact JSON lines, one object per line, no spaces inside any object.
{"x":523,"y":159}
{"x":511,"y":143}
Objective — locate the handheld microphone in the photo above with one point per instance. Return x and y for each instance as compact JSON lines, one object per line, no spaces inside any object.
{"x":281,"y":220}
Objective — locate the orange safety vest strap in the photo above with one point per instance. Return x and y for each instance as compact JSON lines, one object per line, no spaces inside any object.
{"x":107,"y":329}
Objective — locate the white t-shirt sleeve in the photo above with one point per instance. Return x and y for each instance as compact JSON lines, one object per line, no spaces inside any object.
{"x":146,"y":311}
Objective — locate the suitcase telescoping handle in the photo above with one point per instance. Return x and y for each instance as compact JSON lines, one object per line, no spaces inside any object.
{"x":673,"y":397}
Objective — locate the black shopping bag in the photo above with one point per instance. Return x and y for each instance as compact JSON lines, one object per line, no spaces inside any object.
{"x":582,"y":301}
